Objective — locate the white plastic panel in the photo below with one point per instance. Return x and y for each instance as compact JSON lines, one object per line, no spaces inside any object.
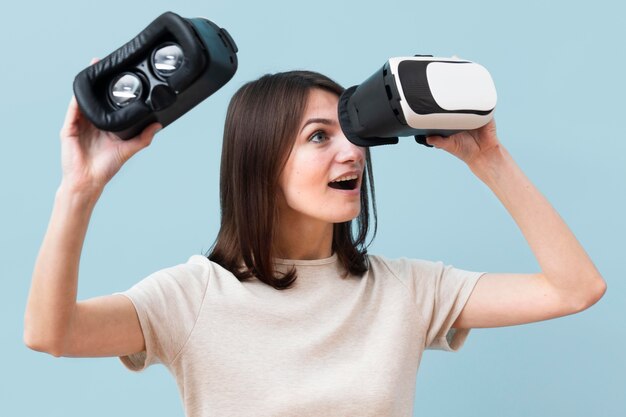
{"x":466,"y":86}
{"x":444,"y":121}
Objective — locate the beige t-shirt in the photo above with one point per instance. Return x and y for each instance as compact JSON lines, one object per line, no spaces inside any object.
{"x":328,"y":346}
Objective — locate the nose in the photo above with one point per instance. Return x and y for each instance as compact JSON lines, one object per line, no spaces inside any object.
{"x":349,"y":152}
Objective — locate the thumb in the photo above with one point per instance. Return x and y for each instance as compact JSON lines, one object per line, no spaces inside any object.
{"x":144,"y":139}
{"x":438,"y":142}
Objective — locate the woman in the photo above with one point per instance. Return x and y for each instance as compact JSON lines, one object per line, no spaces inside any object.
{"x":288,"y":315}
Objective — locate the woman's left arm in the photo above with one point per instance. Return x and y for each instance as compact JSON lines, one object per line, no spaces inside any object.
{"x":568,"y":282}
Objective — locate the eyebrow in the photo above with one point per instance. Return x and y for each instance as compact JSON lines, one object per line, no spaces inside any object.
{"x":318,"y":120}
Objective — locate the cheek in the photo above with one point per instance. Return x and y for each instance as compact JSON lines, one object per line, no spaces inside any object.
{"x":298,"y":183}
{"x":304,"y":179}
{"x":294,"y":184}
{"x":304,"y":184}
{"x":308,"y":173}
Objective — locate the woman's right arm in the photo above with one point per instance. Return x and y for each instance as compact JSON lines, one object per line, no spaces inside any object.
{"x":54,"y":321}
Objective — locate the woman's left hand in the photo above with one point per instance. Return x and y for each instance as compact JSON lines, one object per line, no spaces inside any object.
{"x":470,"y":146}
{"x":568,"y":281}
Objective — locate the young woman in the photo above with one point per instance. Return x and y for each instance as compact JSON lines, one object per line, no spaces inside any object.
{"x":288,"y":315}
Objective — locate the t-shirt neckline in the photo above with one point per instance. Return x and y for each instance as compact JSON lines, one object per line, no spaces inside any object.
{"x":307,"y":262}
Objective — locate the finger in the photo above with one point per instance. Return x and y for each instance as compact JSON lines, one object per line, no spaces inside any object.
{"x":73,"y":114}
{"x":490,"y":127}
{"x":148,"y":133}
{"x":436,"y":141}
{"x":72,"y":117}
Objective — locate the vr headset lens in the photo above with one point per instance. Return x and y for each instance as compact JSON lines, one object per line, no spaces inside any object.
{"x":167,"y":59}
{"x":125,"y":89}
{"x":129,"y":87}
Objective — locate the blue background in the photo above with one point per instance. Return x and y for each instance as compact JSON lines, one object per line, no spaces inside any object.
{"x":559,"y":71}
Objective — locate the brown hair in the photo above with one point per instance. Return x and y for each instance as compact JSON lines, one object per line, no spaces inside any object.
{"x":261,"y":126}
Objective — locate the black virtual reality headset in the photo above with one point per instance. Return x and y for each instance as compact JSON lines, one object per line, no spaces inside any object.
{"x":417,"y":96}
{"x":167,"y":69}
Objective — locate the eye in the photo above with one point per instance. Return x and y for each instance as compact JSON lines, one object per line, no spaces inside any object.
{"x":318,"y":137}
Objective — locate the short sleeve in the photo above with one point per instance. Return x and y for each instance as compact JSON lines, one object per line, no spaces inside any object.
{"x":167,"y":303}
{"x":451,"y":290}
{"x":440,"y":292}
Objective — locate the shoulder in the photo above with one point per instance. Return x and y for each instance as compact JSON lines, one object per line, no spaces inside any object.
{"x":168,"y":303}
{"x":191,"y":276}
{"x":403,"y":267}
{"x":423,"y":276}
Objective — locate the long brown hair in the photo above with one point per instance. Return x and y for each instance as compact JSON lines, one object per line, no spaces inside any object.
{"x":261,"y":126}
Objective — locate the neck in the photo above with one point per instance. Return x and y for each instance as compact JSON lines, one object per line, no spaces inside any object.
{"x":304,"y":239}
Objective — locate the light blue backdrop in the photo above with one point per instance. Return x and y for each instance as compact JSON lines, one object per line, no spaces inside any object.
{"x":559,"y":71}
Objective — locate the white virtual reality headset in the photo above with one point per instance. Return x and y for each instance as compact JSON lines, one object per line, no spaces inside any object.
{"x":417,"y":96}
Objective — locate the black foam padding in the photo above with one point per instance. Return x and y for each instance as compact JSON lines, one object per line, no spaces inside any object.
{"x":347,"y":128}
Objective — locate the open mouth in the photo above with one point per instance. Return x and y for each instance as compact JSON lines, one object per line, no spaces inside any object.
{"x":345,"y":183}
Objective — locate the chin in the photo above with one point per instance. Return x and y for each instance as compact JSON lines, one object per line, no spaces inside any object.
{"x":346,"y":216}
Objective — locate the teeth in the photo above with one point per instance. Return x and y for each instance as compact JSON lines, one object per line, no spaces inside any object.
{"x":346,"y":178}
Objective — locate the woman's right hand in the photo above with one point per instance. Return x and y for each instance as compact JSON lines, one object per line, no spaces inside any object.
{"x":54,"y":322}
{"x":91,"y":157}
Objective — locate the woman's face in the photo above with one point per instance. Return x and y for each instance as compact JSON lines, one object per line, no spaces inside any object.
{"x":322,"y":177}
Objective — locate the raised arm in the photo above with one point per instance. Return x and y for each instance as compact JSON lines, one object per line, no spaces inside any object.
{"x":568,"y":281}
{"x":54,"y":322}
